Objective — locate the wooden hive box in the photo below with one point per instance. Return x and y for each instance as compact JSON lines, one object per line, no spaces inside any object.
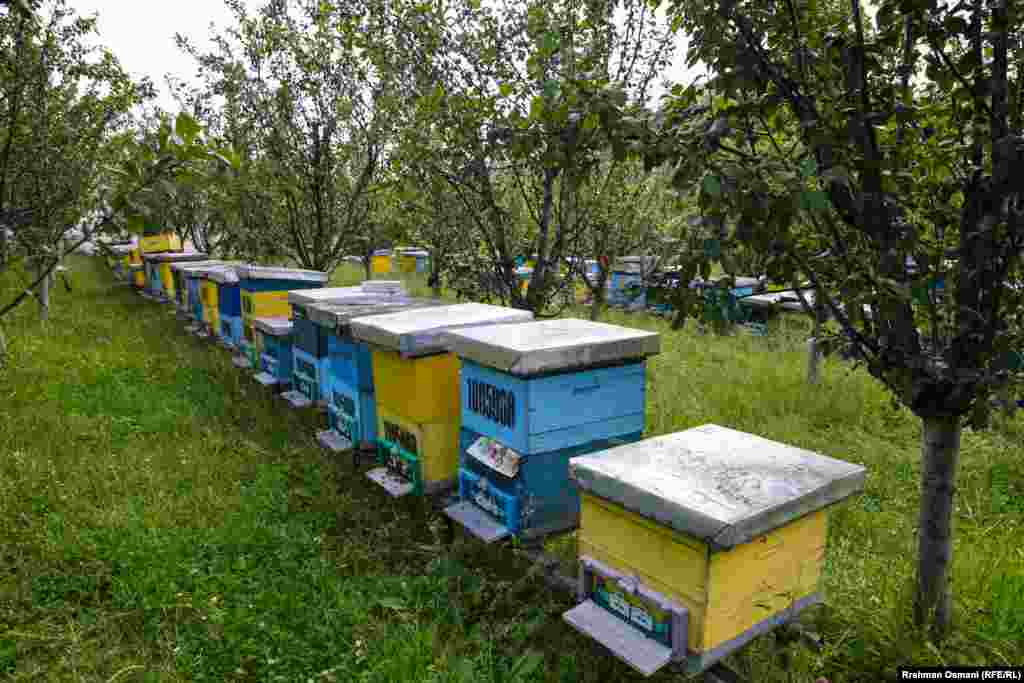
{"x":416,"y":380}
{"x":138,"y":276}
{"x":310,"y":339}
{"x":264,"y":294}
{"x":167,"y":241}
{"x":190,"y":279}
{"x":209,"y":292}
{"x":693,"y":543}
{"x":349,"y":389}
{"x":380,"y":262}
{"x":229,"y":305}
{"x":163,"y":263}
{"x":275,"y":346}
{"x":405,"y":260}
{"x":533,"y":396}
{"x":153,"y":288}
{"x":179,"y":273}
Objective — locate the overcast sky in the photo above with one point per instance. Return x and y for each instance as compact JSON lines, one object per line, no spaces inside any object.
{"x":141,"y":34}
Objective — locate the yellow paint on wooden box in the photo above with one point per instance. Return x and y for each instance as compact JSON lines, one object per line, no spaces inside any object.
{"x":156,"y":243}
{"x":726,"y":592}
{"x":406,"y":263}
{"x":167,"y":279}
{"x":265,"y":305}
{"x":211,"y":303}
{"x":140,"y":278}
{"x":422,"y":389}
{"x":437,"y":444}
{"x":380,"y":264}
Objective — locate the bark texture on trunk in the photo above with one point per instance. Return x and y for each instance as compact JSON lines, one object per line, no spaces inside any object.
{"x":44,"y":297}
{"x":940,"y":450}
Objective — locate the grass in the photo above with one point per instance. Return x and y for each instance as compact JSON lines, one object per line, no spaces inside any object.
{"x":163,"y":520}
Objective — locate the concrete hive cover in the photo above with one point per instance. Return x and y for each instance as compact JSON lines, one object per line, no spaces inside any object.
{"x":274,"y":326}
{"x":717,"y":484}
{"x":339,"y":315}
{"x":420,"y":331}
{"x":551,"y":345}
{"x":250,"y":272}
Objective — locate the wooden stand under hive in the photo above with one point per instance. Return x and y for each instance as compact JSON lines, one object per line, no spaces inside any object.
{"x":310,"y":340}
{"x":417,"y":387}
{"x":349,"y":390}
{"x":535,"y":395}
{"x":265,"y":295}
{"x":694,"y":543}
{"x":275,"y":345}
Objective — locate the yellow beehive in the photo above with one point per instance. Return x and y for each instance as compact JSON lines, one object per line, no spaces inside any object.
{"x":416,"y":380}
{"x":167,"y":241}
{"x":138,"y":276}
{"x":730,"y":526}
{"x":380,"y":263}
{"x":209,"y":293}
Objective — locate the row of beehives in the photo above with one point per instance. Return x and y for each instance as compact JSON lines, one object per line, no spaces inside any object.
{"x":690,"y":544}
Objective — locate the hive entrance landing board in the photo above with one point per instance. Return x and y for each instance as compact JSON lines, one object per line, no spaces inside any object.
{"x":241,"y":362}
{"x":393,"y":485}
{"x":297,"y":399}
{"x":266,"y":379}
{"x":625,"y":642}
{"x":333,"y":441}
{"x":477,"y":522}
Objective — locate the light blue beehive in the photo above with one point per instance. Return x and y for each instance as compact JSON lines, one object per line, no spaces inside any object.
{"x":276,"y":355}
{"x":535,"y":395}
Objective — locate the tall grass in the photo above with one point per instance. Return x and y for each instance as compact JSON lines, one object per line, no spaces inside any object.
{"x":165,"y":520}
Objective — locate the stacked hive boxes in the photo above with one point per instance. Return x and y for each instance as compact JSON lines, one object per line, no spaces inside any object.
{"x":350,"y":394}
{"x":166,"y":287}
{"x":535,"y":395}
{"x":310,"y":340}
{"x":179,"y":274}
{"x":692,"y":544}
{"x":148,"y":247}
{"x":264,"y":292}
{"x":417,"y":388}
{"x":229,"y":306}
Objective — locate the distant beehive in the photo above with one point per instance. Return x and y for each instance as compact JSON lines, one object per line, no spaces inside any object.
{"x":264,"y":294}
{"x":693,"y":543}
{"x":157,"y":243}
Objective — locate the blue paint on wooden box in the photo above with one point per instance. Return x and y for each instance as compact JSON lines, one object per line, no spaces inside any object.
{"x":272,"y":285}
{"x":351,"y":361}
{"x":540,"y":498}
{"x":351,"y":412}
{"x":276,"y":358}
{"x":626,"y":289}
{"x":229,"y":300}
{"x":309,"y":374}
{"x":231,"y":328}
{"x":307,"y":335}
{"x":553,"y":412}
{"x":194,"y":298}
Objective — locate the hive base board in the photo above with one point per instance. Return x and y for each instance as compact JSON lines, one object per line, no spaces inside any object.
{"x":394,"y":486}
{"x":477,"y":522}
{"x":296,"y":399}
{"x":241,"y":362}
{"x":202,"y":333}
{"x":333,"y":441}
{"x":266,"y":379}
{"x":625,"y":642}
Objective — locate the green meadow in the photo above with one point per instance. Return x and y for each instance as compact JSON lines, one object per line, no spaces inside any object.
{"x":163,"y":518}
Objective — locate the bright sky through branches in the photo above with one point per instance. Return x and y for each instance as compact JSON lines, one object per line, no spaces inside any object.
{"x":141,"y":34}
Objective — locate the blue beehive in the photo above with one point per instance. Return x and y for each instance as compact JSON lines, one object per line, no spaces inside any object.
{"x":533,"y":396}
{"x":310,"y":339}
{"x":422,"y":261}
{"x":229,"y":303}
{"x":276,"y":351}
{"x":348,"y":387}
{"x":182,"y":293}
{"x":626,"y":284}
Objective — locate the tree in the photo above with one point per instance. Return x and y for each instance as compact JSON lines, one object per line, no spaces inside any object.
{"x":910,"y":146}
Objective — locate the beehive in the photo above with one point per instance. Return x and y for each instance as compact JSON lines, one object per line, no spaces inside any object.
{"x":162,"y":263}
{"x":275,"y":345}
{"x":158,"y":243}
{"x":380,"y":262}
{"x":138,"y":275}
{"x":229,"y":305}
{"x":535,"y":395}
{"x":349,"y":388}
{"x":693,"y":543}
{"x":405,"y":260}
{"x":179,"y":273}
{"x":627,"y":280}
{"x":264,"y":293}
{"x":310,"y":340}
{"x":153,"y":288}
{"x":209,"y":293}
{"x":417,"y":387}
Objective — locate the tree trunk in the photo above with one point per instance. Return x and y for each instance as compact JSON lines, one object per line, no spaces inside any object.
{"x":940,"y":449}
{"x":597,"y":297}
{"x":44,"y":297}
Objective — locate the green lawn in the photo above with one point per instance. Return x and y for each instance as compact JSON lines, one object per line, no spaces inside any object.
{"x":164,"y":520}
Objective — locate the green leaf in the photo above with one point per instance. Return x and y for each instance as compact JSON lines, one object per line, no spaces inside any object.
{"x":526,"y":665}
{"x":551,"y":89}
{"x":712,"y":185}
{"x":814,"y":201}
{"x":808,"y":167}
{"x":537,"y":108}
{"x":712,"y":248}
{"x":391,"y":603}
{"x":550,"y":42}
{"x":505,"y":89}
{"x":186,"y":127}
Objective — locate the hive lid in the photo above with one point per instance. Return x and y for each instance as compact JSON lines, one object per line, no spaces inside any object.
{"x":421,"y":331}
{"x":179,"y":256}
{"x":383,"y":286}
{"x":549,"y":345}
{"x":274,"y":273}
{"x":275,"y":326}
{"x":304,"y":297}
{"x":225,"y":275}
{"x":339,"y":315}
{"x":192,"y":268}
{"x":717,"y":484}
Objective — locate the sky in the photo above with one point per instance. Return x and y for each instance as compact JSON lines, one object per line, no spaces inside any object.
{"x":141,"y":34}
